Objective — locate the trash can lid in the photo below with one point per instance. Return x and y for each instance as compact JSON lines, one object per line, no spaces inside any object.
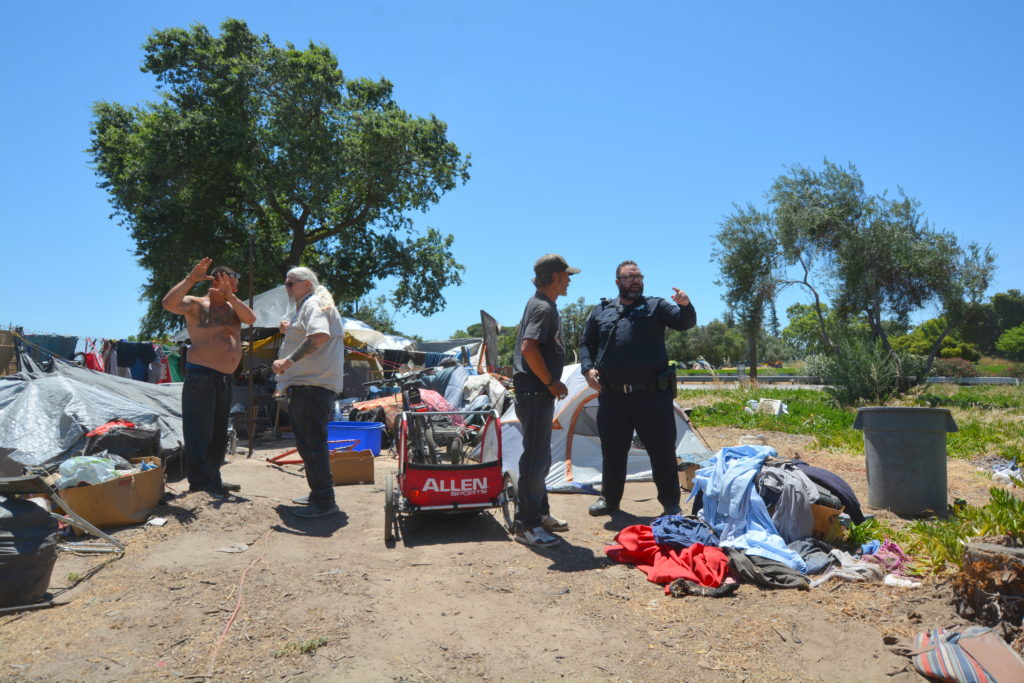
{"x":906,"y":412}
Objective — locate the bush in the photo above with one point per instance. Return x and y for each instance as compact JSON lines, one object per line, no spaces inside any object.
{"x":817,"y":365}
{"x":1011,"y":343}
{"x":863,"y":371}
{"x":913,"y":368}
{"x":963,"y":350}
{"x":1016,"y":370}
{"x":953,"y":367}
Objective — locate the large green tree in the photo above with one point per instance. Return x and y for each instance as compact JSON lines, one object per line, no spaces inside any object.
{"x":718,"y":342}
{"x":1009,"y":306}
{"x":253,"y":139}
{"x":877,"y":256}
{"x":748,"y":257}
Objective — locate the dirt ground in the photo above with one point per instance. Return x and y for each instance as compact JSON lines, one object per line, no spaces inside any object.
{"x":457,"y":600}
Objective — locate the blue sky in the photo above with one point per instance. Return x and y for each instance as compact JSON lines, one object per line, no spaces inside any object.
{"x":599,"y":130}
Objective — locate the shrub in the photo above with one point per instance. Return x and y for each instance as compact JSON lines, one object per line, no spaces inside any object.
{"x":953,"y":367}
{"x":1011,"y":343}
{"x":913,"y":368}
{"x":1016,"y":370}
{"x":863,"y":371}
{"x":961,"y":350}
{"x":817,"y":365}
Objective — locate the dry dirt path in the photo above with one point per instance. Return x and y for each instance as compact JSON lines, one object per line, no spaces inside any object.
{"x":458,"y":600}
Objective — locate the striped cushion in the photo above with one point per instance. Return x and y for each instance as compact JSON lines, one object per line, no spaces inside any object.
{"x":938,"y":656}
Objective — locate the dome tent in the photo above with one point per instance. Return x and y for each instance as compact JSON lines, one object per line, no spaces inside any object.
{"x":576,"y":447}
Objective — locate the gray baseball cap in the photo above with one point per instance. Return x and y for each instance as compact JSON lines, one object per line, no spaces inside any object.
{"x":552,"y":263}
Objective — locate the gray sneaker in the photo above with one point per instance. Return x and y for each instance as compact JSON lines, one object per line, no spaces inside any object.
{"x":310,"y":512}
{"x":301,"y":500}
{"x":537,"y":536}
{"x":552,"y":523}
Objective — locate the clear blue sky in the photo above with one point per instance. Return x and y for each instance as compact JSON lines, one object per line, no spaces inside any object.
{"x":600,"y":130}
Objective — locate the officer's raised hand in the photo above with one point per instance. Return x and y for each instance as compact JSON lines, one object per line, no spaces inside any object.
{"x":680,"y":297}
{"x":593,"y":379}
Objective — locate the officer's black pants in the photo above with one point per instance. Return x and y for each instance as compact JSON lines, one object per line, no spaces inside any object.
{"x":651,"y":414}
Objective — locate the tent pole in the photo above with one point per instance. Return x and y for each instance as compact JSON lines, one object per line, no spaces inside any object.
{"x":251,"y":412}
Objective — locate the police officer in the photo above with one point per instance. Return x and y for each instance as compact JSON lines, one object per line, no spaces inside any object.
{"x":623,"y":357}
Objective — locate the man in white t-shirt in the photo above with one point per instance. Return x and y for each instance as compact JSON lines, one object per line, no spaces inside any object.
{"x":310,"y":369}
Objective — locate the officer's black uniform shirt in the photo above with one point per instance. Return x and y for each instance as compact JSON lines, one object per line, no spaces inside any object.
{"x":627,"y":343}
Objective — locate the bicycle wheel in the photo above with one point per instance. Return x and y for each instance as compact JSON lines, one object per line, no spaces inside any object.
{"x":455,"y":451}
{"x":430,"y":446}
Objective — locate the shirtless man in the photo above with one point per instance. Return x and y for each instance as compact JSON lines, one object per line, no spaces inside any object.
{"x":215,"y":328}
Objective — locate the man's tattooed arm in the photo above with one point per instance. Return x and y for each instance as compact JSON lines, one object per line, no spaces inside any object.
{"x":308,"y":346}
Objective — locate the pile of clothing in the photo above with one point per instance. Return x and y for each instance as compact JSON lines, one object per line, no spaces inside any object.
{"x":753,"y":522}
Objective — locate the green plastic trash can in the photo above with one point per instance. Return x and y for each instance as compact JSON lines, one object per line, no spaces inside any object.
{"x":905,"y":452}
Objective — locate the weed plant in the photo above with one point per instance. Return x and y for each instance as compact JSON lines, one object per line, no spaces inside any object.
{"x":939,"y":544}
{"x":300,"y":647}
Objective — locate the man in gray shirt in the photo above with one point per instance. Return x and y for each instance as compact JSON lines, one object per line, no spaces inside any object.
{"x":310,"y":368}
{"x":537,"y":378}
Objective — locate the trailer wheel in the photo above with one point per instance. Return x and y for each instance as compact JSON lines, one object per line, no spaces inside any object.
{"x":390,"y":518}
{"x":509,"y":503}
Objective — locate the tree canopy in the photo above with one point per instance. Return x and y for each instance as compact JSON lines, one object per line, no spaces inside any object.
{"x":252,"y":139}
{"x":748,"y":258}
{"x":877,"y":256}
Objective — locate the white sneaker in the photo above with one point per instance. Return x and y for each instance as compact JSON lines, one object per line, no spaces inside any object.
{"x":552,"y":523}
{"x":537,"y":536}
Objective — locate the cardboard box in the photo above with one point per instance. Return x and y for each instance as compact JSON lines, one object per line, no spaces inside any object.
{"x":772,"y":406}
{"x":352,"y":467}
{"x":119,"y":502}
{"x":826,"y":523}
{"x":686,"y":472}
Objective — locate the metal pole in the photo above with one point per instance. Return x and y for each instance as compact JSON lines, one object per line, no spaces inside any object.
{"x":251,"y":412}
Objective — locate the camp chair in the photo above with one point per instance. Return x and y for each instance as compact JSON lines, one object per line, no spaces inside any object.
{"x":36,"y":484}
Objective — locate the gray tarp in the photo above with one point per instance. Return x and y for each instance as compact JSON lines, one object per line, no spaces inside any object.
{"x":44,"y":415}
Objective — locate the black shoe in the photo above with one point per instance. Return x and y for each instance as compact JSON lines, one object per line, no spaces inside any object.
{"x":310,"y":512}
{"x":601,"y":507}
{"x":218,"y":493}
{"x":231,"y":487}
{"x":670,"y":510}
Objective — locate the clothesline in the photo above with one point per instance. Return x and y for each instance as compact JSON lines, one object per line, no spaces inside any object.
{"x":24,"y":337}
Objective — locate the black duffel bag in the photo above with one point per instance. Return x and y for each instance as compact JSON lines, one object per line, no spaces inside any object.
{"x":128,"y":442}
{"x":28,"y":551}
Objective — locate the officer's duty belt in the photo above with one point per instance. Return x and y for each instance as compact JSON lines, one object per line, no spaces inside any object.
{"x":649,"y":385}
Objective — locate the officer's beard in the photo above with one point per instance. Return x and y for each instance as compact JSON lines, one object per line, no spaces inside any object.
{"x":631,"y":293}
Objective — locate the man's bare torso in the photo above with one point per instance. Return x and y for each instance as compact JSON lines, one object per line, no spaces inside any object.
{"x":216,"y":334}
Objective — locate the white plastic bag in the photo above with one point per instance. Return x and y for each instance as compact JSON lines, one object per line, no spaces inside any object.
{"x":87,"y":469}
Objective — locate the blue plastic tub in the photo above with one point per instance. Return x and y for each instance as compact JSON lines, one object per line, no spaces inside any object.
{"x":366,"y":433}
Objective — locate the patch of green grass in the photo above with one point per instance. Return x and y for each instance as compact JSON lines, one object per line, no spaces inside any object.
{"x":977,"y":437}
{"x":989,"y":418}
{"x":994,"y":370}
{"x":967,"y":397}
{"x":810,"y":412}
{"x":74,"y":577}
{"x":300,"y":647}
